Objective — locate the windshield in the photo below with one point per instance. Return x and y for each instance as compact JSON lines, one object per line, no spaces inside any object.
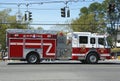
{"x":101,"y":41}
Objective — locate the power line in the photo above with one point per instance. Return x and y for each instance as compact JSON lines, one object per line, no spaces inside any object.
{"x":47,"y":1}
{"x":35,"y":3}
{"x":40,"y":8}
{"x":42,"y":2}
{"x":64,"y":0}
{"x":49,"y":24}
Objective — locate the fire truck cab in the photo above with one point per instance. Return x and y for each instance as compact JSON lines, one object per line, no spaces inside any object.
{"x":88,"y":47}
{"x":37,"y":45}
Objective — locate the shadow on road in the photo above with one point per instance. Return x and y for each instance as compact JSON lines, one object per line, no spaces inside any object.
{"x":65,"y":63}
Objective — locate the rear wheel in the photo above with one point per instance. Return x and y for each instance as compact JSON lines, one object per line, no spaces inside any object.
{"x":33,"y":58}
{"x":92,"y":58}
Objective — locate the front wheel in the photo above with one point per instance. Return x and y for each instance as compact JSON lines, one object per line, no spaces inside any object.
{"x":92,"y":58}
{"x":32,"y":58}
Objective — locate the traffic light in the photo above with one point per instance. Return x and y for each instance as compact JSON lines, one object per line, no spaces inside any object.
{"x":63,"y":12}
{"x":68,"y":13}
{"x":113,"y":7}
{"x":109,"y":8}
{"x":25,"y":17}
{"x":30,"y":16}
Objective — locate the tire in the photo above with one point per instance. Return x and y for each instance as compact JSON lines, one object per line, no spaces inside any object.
{"x":33,"y":58}
{"x":92,"y":58}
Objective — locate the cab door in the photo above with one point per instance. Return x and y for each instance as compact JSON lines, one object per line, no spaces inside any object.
{"x":93,"y":42}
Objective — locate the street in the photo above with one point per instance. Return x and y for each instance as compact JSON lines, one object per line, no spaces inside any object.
{"x":65,"y":71}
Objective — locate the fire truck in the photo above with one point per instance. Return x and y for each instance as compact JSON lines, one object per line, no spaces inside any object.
{"x":34,"y":46}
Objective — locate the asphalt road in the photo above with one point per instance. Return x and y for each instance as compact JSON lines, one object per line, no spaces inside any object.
{"x":64,"y":71}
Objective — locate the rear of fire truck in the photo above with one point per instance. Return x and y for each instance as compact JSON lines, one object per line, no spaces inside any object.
{"x":31,"y":45}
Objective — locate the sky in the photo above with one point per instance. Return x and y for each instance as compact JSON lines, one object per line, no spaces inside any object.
{"x":46,"y":13}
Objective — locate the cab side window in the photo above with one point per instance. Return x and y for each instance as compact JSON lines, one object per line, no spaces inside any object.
{"x":83,"y":39}
{"x":92,"y":40}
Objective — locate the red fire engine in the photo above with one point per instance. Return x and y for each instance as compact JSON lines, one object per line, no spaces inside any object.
{"x":37,"y":45}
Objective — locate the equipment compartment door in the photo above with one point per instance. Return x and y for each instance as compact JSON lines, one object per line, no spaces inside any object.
{"x":49,"y":48}
{"x":64,"y":48}
{"x":16,"y":48}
